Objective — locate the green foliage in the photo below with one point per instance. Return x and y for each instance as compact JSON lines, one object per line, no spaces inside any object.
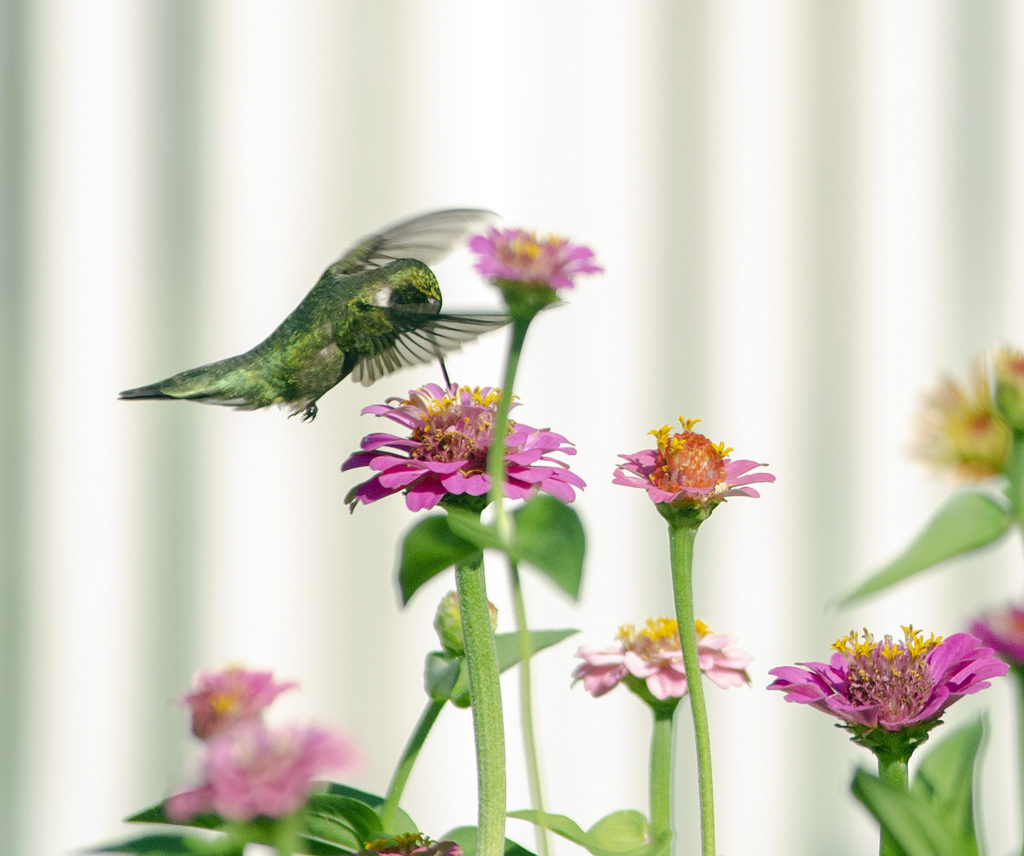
{"x":968,"y":521}
{"x":427,"y":549}
{"x":465,"y":837}
{"x":621,"y":833}
{"x":337,"y":821}
{"x":447,"y":679}
{"x":936,"y":817}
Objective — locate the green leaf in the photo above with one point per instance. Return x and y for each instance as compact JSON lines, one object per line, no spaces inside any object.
{"x":966,"y":522}
{"x":916,"y":826}
{"x":427,"y":549}
{"x":946,"y":778}
{"x":549,"y":535}
{"x":173,"y":845}
{"x":155,"y":814}
{"x":446,"y":677}
{"x":341,"y":822}
{"x":467,"y":525}
{"x":465,"y":837}
{"x":402,"y":821}
{"x":621,"y":833}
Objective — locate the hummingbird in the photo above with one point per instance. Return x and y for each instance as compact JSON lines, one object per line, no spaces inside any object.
{"x":375,"y":310}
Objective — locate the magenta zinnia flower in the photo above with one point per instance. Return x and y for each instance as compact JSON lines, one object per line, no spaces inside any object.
{"x":409,"y":843}
{"x":891,"y":685}
{"x":516,"y":255}
{"x":686,"y":468}
{"x":251,"y":771}
{"x":653,"y":654}
{"x":445,"y":452}
{"x":1004,"y":632}
{"x":220,"y":700}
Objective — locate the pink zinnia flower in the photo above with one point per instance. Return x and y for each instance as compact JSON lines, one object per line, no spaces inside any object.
{"x":1004,"y":632}
{"x":446,"y":451}
{"x":653,"y":654}
{"x":252,"y":770}
{"x":891,"y":685}
{"x":686,"y":468}
{"x":220,"y":700}
{"x":516,"y":255}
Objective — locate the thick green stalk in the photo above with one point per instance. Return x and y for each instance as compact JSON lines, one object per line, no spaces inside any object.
{"x":1015,"y":473}
{"x":1017,"y":671}
{"x":485,"y":698}
{"x":892,"y":769}
{"x":661,"y":769}
{"x":404,"y":768}
{"x":681,"y":537}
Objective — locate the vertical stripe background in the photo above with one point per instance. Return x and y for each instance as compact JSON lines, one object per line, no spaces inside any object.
{"x":807,"y":213}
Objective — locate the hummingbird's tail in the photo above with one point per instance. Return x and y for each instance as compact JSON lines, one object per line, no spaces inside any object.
{"x":151,"y":391}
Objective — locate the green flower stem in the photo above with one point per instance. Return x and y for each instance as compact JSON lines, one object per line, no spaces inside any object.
{"x":485,"y":699}
{"x":682,"y":533}
{"x":661,"y":769}
{"x":893,"y":770}
{"x":1017,"y":671}
{"x":496,"y":455}
{"x":405,"y":765}
{"x":503,"y":527}
{"x":526,"y":710}
{"x":1015,"y":473}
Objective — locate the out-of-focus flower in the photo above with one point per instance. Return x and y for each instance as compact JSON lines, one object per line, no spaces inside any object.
{"x":519,"y":256}
{"x":891,"y":685}
{"x":448,"y":623}
{"x":1008,"y":367}
{"x":221,"y":700}
{"x":252,"y":771}
{"x":412,"y":842}
{"x":445,"y":452}
{"x":960,"y":428}
{"x":687,"y":469}
{"x":653,"y":654}
{"x":1003,"y":631}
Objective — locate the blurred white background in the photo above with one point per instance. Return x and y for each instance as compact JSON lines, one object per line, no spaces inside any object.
{"x":807,"y":213}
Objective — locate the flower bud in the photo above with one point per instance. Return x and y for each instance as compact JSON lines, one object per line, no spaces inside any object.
{"x":1009,"y":375}
{"x":448,"y":623}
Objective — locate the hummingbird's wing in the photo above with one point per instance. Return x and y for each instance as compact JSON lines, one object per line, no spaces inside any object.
{"x":414,"y":341}
{"x":428,"y":238}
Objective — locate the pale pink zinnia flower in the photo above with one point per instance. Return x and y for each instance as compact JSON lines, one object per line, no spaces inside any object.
{"x":1003,"y":631}
{"x":517,"y":255}
{"x":891,"y":685}
{"x":251,"y":770}
{"x":653,"y":654}
{"x":445,"y":452}
{"x":220,"y":700}
{"x":686,"y":468}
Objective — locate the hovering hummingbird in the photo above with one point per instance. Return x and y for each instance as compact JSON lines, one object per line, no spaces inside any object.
{"x":374,"y":311}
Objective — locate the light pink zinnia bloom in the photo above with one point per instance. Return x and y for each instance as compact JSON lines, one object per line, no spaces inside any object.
{"x":686,"y":468}
{"x":252,"y":771}
{"x":654,"y":655}
{"x":516,"y":255}
{"x":220,"y":700}
{"x":888,"y":684}
{"x":446,"y":451}
{"x":1004,"y":632}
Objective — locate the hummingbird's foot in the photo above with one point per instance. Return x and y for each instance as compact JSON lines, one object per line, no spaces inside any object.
{"x":310,"y":412}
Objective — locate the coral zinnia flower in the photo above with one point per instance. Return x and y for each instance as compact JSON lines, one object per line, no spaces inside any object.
{"x":686,"y":468}
{"x":252,"y":770}
{"x":516,"y":255}
{"x":220,"y":700}
{"x":446,"y":451}
{"x":960,"y":428}
{"x":654,"y":655}
{"x":891,"y":685}
{"x":1004,"y":632}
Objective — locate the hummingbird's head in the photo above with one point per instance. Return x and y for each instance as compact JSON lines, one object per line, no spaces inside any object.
{"x":408,"y":284}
